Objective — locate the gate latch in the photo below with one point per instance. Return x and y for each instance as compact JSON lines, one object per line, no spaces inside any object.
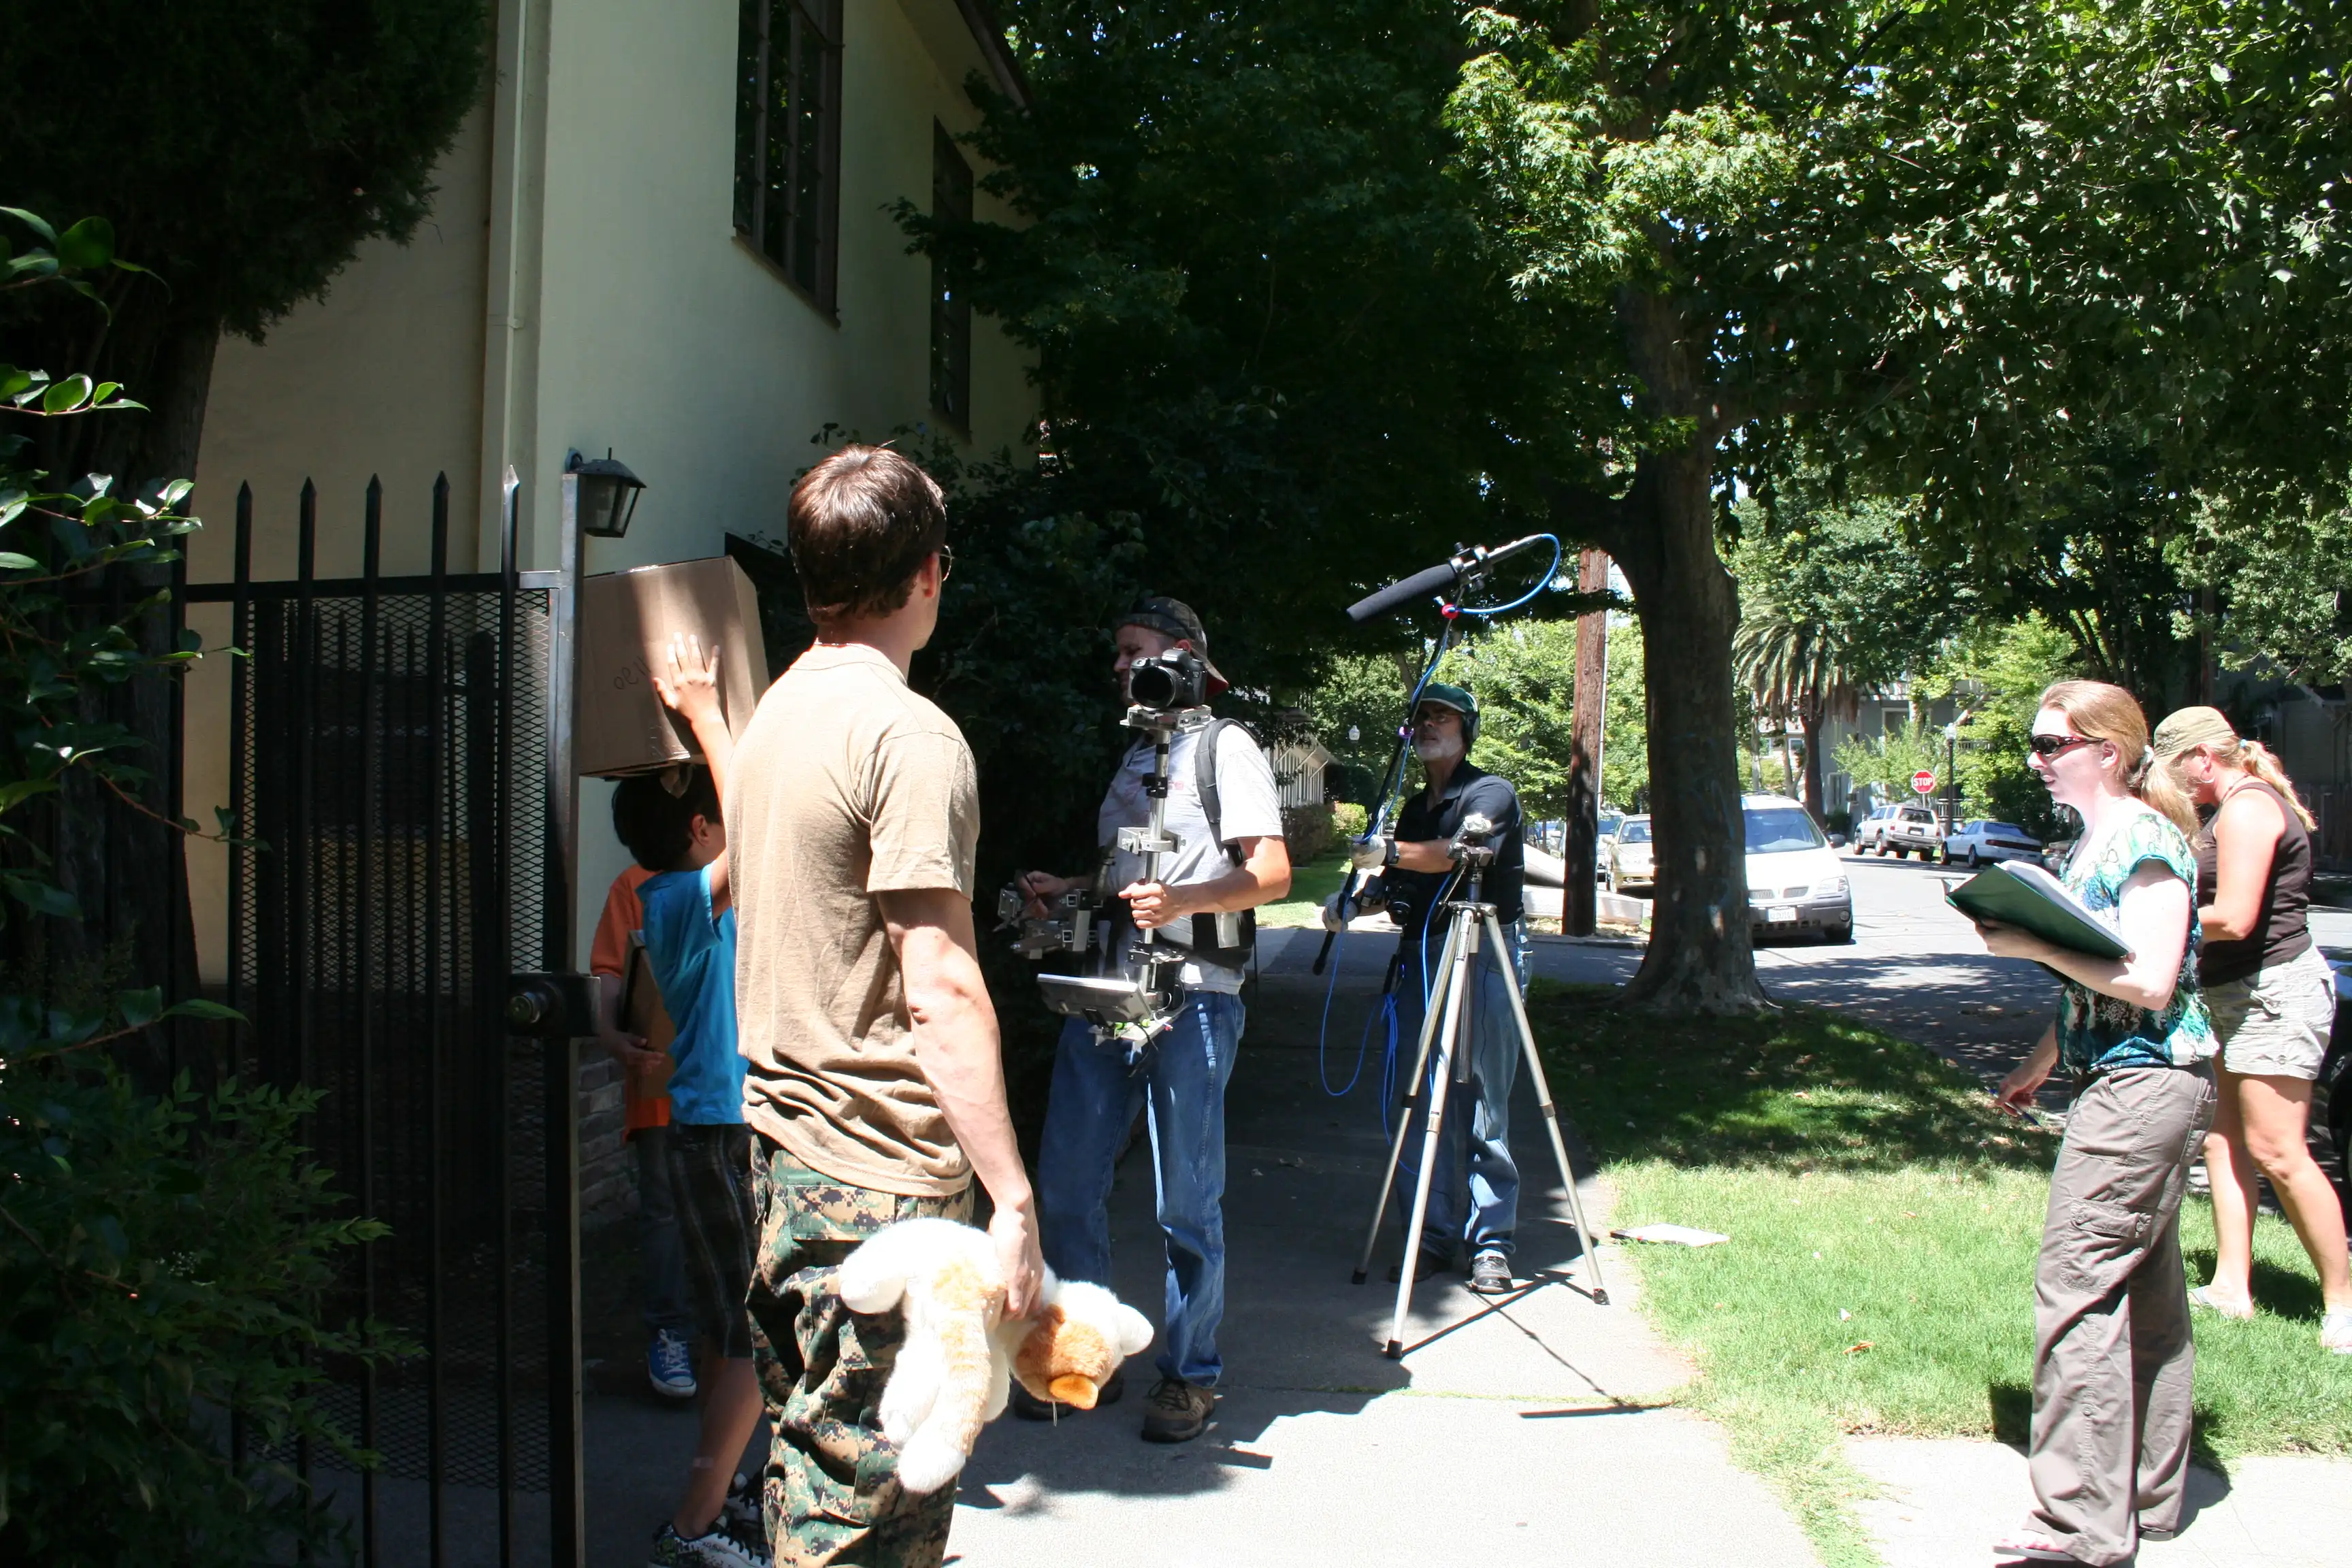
{"x":552,"y":1006}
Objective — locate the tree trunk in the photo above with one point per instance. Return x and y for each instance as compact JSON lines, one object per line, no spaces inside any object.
{"x":1699,"y":958}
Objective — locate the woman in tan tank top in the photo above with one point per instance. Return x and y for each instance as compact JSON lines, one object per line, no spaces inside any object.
{"x":2273,"y":1001}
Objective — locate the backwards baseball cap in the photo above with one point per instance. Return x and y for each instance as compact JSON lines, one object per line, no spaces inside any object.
{"x":1174,"y":618}
{"x":2189,"y":728}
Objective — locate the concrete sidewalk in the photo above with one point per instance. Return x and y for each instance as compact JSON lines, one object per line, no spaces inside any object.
{"x":1946,"y":1501}
{"x":1518,"y":1428}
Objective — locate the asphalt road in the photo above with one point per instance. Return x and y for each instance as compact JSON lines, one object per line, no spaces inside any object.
{"x":1916,"y":967}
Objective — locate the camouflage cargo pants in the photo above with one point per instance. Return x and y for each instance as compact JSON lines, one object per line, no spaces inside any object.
{"x":831,"y":1495}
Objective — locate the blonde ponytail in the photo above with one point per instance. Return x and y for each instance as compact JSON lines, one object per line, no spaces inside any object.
{"x":2162,"y":791}
{"x":2257,"y":760}
{"x":2208,"y":730}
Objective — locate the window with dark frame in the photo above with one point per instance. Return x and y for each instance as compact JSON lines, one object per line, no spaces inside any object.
{"x":788,"y":138}
{"x":951,"y":312}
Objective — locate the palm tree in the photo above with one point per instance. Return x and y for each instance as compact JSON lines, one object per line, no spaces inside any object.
{"x":1795,"y":670}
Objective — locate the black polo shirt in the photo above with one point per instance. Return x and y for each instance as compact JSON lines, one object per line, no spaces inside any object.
{"x":1470,"y":792}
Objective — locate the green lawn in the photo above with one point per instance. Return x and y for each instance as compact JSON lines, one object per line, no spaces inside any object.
{"x":1883,"y":1220}
{"x":1310,"y":885}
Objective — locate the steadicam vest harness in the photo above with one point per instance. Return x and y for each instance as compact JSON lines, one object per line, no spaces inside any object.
{"x":1227,"y":940}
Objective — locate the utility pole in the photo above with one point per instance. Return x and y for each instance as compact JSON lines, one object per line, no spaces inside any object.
{"x":1582,"y":847}
{"x":1952,"y":769}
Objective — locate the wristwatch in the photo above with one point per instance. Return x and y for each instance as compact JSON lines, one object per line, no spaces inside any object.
{"x":1389,"y":859}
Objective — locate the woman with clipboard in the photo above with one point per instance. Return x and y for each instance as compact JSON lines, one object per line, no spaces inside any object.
{"x":2113,"y":1356}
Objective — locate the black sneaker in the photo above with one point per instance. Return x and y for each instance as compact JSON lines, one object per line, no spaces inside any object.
{"x":740,"y":1513}
{"x":1029,"y":1407}
{"x":1176,"y":1411}
{"x":1431,"y":1265}
{"x":1490,"y":1274}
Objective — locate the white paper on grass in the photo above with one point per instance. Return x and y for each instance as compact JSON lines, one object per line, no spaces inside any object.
{"x":1678,"y":1235}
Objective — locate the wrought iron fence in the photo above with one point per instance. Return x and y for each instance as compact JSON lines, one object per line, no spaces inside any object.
{"x":400,"y":815}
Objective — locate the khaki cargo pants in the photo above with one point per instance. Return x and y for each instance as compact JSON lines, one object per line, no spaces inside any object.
{"x":2113,"y":1357}
{"x":830,"y":1496}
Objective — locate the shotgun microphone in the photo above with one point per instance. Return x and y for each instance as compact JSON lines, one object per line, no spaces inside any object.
{"x":1467,"y":565}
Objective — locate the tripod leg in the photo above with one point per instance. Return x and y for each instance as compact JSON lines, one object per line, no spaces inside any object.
{"x":1551,"y":1116}
{"x":1404,"y":1123}
{"x":1457,"y":988}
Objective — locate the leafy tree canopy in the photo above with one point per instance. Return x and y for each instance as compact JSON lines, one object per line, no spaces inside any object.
{"x":1998,"y":671}
{"x":2281,"y":566}
{"x":1524,"y":675}
{"x":1265,"y":321}
{"x":1850,"y":569}
{"x":306,"y":127}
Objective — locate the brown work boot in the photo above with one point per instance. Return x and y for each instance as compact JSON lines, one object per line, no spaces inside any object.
{"x":1176,"y":1411}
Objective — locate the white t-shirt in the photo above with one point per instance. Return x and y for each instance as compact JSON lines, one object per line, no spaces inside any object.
{"x":1248,"y":807}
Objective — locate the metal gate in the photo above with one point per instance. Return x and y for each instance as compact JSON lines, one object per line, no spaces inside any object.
{"x":399,"y":761}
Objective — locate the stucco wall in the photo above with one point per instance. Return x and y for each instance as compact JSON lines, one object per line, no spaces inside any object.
{"x":648,"y":327}
{"x":383,"y":376}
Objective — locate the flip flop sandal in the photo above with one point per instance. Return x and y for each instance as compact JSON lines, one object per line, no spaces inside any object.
{"x":2033,"y":1549}
{"x":2203,"y":1299}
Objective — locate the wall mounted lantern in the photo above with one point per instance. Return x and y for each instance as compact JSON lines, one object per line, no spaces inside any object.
{"x":608,"y":493}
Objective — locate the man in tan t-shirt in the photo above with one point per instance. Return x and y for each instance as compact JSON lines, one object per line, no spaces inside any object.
{"x":875,"y":1089}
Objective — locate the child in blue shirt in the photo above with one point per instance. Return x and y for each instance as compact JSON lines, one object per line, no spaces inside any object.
{"x":671,"y":823}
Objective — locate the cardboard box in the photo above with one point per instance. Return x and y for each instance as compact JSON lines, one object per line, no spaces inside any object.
{"x":627,"y":619}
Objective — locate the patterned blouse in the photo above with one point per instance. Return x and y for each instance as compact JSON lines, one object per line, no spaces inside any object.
{"x":2097,"y":1033}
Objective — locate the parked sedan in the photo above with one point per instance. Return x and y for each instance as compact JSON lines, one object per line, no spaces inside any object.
{"x":1979,"y":841}
{"x":1629,"y":863}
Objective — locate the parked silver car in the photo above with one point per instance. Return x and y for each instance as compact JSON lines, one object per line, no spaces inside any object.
{"x":1909,"y":830}
{"x":1870,"y":828}
{"x":1979,"y":840}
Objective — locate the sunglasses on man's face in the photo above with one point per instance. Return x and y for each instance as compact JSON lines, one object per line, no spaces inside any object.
{"x":946,"y":563}
{"x":2048,"y":746}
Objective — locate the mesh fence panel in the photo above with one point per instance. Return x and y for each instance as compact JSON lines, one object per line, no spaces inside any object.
{"x":373,"y":926}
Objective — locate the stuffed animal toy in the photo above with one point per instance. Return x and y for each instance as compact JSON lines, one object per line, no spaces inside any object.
{"x":955,"y":1368}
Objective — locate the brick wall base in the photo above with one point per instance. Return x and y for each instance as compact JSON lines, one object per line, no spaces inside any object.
{"x":608,"y":1176}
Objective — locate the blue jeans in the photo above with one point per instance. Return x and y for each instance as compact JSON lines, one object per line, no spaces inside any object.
{"x":1181,"y":1076}
{"x":1477,"y":1130}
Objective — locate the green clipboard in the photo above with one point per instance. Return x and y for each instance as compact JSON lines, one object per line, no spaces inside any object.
{"x":2015,"y":893}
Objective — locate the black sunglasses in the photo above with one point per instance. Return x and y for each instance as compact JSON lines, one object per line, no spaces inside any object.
{"x":2048,"y":746}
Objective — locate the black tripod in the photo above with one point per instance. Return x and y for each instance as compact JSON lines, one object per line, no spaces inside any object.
{"x":1471,"y":922}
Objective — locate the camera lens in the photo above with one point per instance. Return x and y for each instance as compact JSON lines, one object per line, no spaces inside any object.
{"x":1156,"y":683}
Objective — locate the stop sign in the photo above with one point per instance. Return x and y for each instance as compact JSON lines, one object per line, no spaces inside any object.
{"x":1924,"y":782}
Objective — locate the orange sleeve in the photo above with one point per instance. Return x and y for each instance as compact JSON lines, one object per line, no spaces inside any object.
{"x":623,"y":914}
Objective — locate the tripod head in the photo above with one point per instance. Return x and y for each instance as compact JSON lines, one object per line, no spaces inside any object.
{"x":1473,"y":843}
{"x":1473,"y":848}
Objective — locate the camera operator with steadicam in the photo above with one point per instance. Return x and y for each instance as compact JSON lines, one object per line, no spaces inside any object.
{"x":1415,"y":870}
{"x":1225,"y":814}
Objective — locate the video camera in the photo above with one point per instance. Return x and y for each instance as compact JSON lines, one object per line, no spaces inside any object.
{"x":1133,"y":996}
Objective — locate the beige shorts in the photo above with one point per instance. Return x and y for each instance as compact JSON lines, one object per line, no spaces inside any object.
{"x":2275,"y":1024}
